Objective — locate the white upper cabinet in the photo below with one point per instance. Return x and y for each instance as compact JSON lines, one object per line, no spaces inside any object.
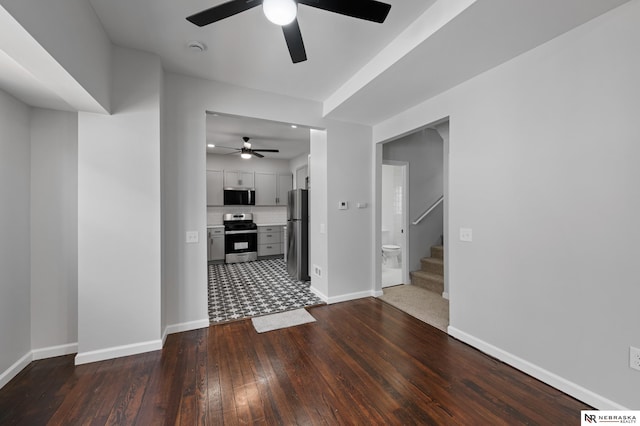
{"x":272,"y":188}
{"x":266,"y":189}
{"x":238,"y":179}
{"x":285,"y":184}
{"x":215,"y":195}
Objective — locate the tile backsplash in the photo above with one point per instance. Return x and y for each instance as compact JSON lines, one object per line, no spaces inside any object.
{"x":271,"y":214}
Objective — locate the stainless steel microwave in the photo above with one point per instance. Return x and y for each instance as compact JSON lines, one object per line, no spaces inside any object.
{"x":239,"y":197}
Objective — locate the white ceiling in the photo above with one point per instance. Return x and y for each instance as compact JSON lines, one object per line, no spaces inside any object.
{"x":362,"y":72}
{"x":483,"y":36}
{"x":247,"y":50}
{"x":228,"y":130}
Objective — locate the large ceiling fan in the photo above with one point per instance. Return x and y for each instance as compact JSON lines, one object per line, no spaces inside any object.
{"x":283,"y":13}
{"x":246,"y":151}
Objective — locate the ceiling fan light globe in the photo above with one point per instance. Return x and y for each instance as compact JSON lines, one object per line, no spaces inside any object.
{"x":245,"y":155}
{"x":280,"y":12}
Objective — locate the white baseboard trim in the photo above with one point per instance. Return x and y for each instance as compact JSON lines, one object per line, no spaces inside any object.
{"x":16,"y":368}
{"x":351,"y":296}
{"x":164,"y":336}
{"x":186,"y":326}
{"x":317,"y":292}
{"x":118,"y":351}
{"x":52,"y":351}
{"x":570,"y":388}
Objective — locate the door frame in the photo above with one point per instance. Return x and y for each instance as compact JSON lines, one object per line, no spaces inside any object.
{"x":404,"y":243}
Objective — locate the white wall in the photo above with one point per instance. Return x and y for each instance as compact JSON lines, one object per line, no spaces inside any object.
{"x":119,"y":261}
{"x":14,"y":235}
{"x":184,"y":185}
{"x":543,"y":168}
{"x":423,"y":150}
{"x":350,"y":241}
{"x":54,"y":228}
{"x":318,"y":215}
{"x":184,"y":201}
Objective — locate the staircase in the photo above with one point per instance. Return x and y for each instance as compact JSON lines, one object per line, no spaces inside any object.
{"x":431,"y":274}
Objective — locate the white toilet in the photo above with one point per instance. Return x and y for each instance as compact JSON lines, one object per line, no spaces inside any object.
{"x":390,"y":254}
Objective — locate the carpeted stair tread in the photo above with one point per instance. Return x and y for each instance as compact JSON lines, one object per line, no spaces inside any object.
{"x":432,"y":264}
{"x":428,"y":280}
{"x":437,"y":252}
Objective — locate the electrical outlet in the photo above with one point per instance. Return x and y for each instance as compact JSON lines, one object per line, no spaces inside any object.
{"x":191,"y":237}
{"x":317,"y":270}
{"x":466,"y":234}
{"x":634,"y":358}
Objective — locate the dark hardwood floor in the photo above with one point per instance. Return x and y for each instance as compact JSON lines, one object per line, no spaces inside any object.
{"x":362,"y":363}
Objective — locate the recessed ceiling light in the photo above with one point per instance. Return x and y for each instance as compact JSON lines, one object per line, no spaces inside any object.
{"x":210,"y":145}
{"x":196,"y":46}
{"x":293,"y":126}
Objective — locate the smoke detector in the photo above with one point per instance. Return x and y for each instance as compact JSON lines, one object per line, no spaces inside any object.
{"x":196,"y":46}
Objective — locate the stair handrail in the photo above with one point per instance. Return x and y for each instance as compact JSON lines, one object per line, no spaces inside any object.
{"x":429,"y":210}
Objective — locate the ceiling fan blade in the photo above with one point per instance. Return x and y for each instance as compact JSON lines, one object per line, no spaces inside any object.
{"x":266,"y":150}
{"x":293,"y":37}
{"x":226,"y":147}
{"x":370,"y":10}
{"x":257,"y":155}
{"x":222,"y":11}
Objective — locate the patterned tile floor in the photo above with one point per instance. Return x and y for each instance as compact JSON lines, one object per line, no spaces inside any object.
{"x":245,"y":290}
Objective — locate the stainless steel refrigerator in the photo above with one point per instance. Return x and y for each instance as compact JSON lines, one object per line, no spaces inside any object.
{"x":298,"y":234}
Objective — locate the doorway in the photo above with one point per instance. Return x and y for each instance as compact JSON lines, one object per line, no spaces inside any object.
{"x":424,"y":292}
{"x":393,"y":212}
{"x":246,"y":269}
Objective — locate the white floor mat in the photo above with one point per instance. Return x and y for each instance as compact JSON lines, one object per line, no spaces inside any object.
{"x":281,"y":320}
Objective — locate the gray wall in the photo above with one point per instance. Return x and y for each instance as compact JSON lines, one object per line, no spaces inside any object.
{"x":423,"y":151}
{"x":119,"y":253}
{"x":544,"y":168}
{"x":54,"y":228}
{"x":14,"y":232}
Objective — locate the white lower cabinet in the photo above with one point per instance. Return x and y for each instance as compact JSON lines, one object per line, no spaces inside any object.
{"x":215,"y":243}
{"x":269,"y":240}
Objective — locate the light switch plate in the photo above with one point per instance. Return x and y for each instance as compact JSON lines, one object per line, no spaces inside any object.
{"x":466,"y":234}
{"x":192,"y":237}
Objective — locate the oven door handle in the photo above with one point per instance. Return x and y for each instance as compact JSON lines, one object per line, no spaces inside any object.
{"x":251,"y":231}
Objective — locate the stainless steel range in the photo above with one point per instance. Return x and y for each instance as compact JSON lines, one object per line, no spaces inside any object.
{"x":240,"y":237}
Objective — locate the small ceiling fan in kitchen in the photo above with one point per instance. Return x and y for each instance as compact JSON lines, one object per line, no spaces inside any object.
{"x":246,"y":151}
{"x":284,"y":13}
